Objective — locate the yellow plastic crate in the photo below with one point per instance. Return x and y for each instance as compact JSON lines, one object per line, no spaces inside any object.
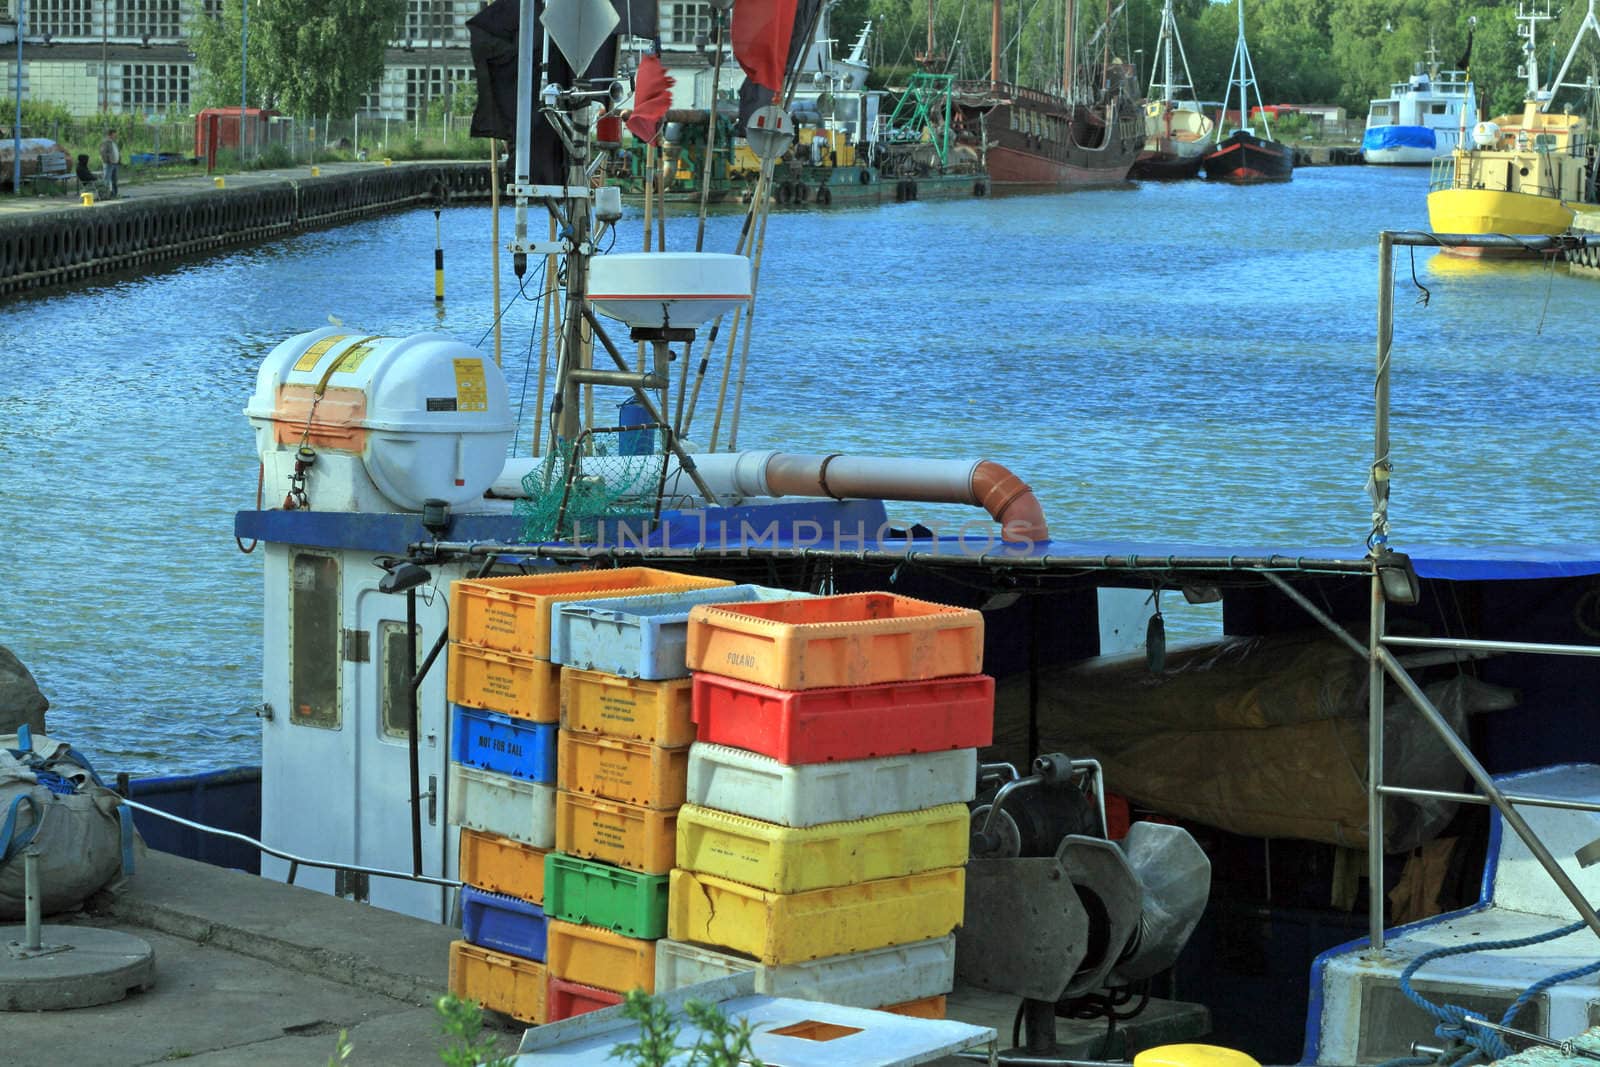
{"x":779,"y":928}
{"x":502,"y":865}
{"x":598,"y":957}
{"x":599,"y":703}
{"x":785,"y":859}
{"x":513,"y":614}
{"x":640,"y":839}
{"x":522,"y":686}
{"x":617,"y":769}
{"x":851,"y":639}
{"x":499,"y":981}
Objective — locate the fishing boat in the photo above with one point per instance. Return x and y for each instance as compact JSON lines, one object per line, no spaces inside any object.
{"x":1084,"y":134}
{"x":1178,"y":134}
{"x":1420,"y":120}
{"x":1526,"y":173}
{"x":850,"y":147}
{"x":406,"y":650}
{"x":1242,"y":157}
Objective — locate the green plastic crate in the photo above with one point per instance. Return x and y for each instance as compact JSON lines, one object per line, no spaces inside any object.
{"x":583,"y":891}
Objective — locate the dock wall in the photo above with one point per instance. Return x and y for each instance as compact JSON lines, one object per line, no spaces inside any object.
{"x":43,"y":248}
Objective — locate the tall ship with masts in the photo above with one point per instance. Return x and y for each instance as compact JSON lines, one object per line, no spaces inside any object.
{"x":1178,"y":134}
{"x":1242,"y":157}
{"x":1084,"y":133}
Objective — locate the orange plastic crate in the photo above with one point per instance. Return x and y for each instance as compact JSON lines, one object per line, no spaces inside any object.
{"x":926,"y":1008}
{"x":502,"y":865}
{"x":593,"y":956}
{"x":513,"y":614}
{"x":499,"y":981}
{"x":566,"y":999}
{"x":640,"y":839}
{"x":655,"y":711}
{"x":618,"y":769}
{"x":855,"y":639}
{"x":522,"y":686}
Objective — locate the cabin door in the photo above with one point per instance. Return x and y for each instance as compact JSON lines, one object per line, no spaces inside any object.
{"x":382,"y":766}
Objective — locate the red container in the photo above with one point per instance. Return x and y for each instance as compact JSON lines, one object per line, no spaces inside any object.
{"x":566,"y":999}
{"x":847,"y":722}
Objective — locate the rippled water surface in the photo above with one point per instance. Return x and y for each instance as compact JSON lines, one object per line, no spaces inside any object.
{"x":1182,"y":361}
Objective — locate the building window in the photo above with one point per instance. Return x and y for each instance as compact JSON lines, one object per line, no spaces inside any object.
{"x":392,"y":677}
{"x":426,"y":85}
{"x":314,"y":653}
{"x":681,"y":23}
{"x":147,"y":18}
{"x":211,"y":9}
{"x":155,"y":86}
{"x":59,"y":18}
{"x":430,"y":21}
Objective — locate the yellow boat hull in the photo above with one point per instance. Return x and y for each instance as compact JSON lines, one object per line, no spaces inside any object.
{"x":1495,"y":211}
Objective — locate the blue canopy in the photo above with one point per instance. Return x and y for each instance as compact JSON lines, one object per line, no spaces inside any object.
{"x":1381,"y":137}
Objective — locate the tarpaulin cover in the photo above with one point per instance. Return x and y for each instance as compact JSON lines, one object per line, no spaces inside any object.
{"x":1263,"y":736}
{"x":1381,"y":137}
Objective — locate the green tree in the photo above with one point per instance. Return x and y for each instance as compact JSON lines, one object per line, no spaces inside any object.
{"x":308,"y":57}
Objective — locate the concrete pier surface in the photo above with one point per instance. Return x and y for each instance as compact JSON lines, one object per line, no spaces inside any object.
{"x":250,"y":971}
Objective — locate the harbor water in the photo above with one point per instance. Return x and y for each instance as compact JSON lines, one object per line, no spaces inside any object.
{"x":1179,"y":362}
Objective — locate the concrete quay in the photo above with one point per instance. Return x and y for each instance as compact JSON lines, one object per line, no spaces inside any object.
{"x":47,"y":240}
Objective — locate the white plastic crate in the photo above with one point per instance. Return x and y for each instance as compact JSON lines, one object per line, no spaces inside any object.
{"x":499,"y":804}
{"x":749,"y":784}
{"x":870,"y":979}
{"x":640,"y":636}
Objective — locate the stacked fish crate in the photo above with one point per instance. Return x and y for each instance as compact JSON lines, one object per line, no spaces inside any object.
{"x":622,"y":773}
{"x":505,"y":694}
{"x":826,"y":829}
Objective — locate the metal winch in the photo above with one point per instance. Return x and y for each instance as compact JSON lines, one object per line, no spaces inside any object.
{"x":1055,"y":911}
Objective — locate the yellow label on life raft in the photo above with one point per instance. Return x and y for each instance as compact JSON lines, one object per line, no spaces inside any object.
{"x":472,"y":392}
{"x":317,"y":351}
{"x":351,"y":361}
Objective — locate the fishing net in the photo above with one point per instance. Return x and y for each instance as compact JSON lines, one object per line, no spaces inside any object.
{"x":598,"y":496}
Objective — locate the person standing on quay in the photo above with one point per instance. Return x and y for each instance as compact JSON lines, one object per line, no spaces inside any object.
{"x":111,"y":156}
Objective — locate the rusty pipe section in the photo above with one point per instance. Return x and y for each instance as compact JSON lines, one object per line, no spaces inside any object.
{"x":981,"y":483}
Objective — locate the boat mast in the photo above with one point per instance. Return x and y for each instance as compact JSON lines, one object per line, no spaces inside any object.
{"x":1246,"y":77}
{"x":1169,"y":42}
{"x":1531,"y":20}
{"x":1069,"y":71}
{"x":1589,"y":23}
{"x":994,"y":44}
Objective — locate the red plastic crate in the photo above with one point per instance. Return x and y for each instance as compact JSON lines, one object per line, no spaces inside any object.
{"x":566,"y":999}
{"x":847,"y":722}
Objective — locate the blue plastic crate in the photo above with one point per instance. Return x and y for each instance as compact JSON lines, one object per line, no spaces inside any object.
{"x":491,"y":741}
{"x":639,"y":636}
{"x":506,"y":924}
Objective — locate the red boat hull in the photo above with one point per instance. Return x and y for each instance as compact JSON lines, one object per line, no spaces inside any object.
{"x":1245,"y":159}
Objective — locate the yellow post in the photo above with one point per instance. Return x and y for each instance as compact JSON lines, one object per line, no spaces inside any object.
{"x":217,"y":181}
{"x":438,"y":260}
{"x":87,"y":198}
{"x":316,"y":172}
{"x":387,"y":161}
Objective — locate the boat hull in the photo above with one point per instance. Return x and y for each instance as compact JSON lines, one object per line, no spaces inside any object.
{"x":1495,"y":211}
{"x":1167,"y":166}
{"x":1245,"y":159}
{"x":1013,"y":167}
{"x":1406,"y":146}
{"x":1042,"y":141}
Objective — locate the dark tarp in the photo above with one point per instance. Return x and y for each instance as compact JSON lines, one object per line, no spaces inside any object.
{"x":493,"y":34}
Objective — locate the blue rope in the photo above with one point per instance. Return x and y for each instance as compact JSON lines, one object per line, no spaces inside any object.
{"x":1453,"y":1027}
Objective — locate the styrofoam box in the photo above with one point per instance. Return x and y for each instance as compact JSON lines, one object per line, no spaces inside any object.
{"x":869,"y":979}
{"x":640,"y":636}
{"x":498,"y":804}
{"x":759,"y":787}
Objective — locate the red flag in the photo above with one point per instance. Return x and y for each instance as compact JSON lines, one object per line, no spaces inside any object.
{"x":652,"y":95}
{"x":761,"y":32}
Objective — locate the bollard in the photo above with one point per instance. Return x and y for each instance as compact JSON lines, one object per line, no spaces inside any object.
{"x":388,"y":162}
{"x":30,"y":899}
{"x":87,"y":199}
{"x":316,"y":172}
{"x":218,"y":182}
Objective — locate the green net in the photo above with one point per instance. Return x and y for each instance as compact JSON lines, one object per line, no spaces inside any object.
{"x":575,"y":498}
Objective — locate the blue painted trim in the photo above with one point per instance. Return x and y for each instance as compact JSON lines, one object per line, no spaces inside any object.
{"x":1491,"y":861}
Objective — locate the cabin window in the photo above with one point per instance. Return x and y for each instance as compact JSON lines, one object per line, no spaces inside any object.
{"x":1438,"y":109}
{"x":1380,"y":111}
{"x":1544,"y":142}
{"x":314,"y":653}
{"x":392,"y":677}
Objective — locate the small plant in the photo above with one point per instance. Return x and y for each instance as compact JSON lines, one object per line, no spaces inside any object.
{"x":341,"y":1050}
{"x":462,"y":1022}
{"x":721,"y":1043}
